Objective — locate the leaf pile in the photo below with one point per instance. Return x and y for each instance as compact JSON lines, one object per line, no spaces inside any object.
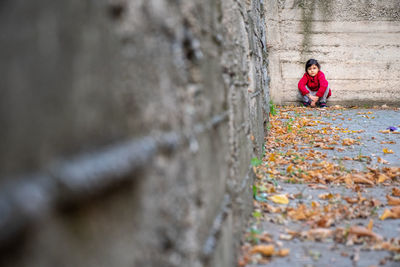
{"x":297,"y":152}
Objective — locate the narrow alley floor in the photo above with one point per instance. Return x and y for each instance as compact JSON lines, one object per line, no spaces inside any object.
{"x":327,"y":191}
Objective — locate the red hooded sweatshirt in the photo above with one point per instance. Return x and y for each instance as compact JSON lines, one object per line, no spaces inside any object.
{"x":316,"y":83}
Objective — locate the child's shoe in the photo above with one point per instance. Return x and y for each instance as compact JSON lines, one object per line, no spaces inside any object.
{"x":307,"y":104}
{"x":322,"y":104}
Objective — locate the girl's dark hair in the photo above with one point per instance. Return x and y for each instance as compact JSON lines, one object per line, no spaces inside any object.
{"x":311,"y":62}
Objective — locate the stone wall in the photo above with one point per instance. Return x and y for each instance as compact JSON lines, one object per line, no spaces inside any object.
{"x":128,"y":129}
{"x":356,"y":42}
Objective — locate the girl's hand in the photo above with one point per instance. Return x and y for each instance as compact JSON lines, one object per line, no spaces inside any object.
{"x":313,"y":104}
{"x":314,"y":98}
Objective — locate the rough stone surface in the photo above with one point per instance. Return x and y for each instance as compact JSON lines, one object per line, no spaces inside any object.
{"x":81,"y":76}
{"x":356,"y":42}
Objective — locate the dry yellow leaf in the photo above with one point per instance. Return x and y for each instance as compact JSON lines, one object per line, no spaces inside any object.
{"x":314,"y":204}
{"x":283,"y":252}
{"x":396,"y":192}
{"x":299,"y":213}
{"x":280,"y":199}
{"x":351,"y":200}
{"x":362,"y":231}
{"x":393,"y":213}
{"x":272,"y":158}
{"x":386,"y":214}
{"x":359,"y":179}
{"x":266,"y":250}
{"x":381,"y":160}
{"x":317,"y":233}
{"x":387,"y":151}
{"x":289,"y":168}
{"x":392,"y":201}
{"x":382,"y":177}
{"x":326,"y":196}
{"x":370,"y":225}
{"x":348,"y":180}
{"x":348,"y":141}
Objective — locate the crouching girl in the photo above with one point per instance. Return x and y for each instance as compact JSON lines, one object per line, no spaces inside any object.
{"x":313,"y":86}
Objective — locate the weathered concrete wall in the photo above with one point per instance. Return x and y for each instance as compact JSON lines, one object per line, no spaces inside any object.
{"x":356,"y":42}
{"x":128,"y":129}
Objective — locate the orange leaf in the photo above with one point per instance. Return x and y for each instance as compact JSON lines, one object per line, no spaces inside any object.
{"x":289,"y":168}
{"x":314,"y":204}
{"x":348,"y":141}
{"x":393,"y":201}
{"x":386,"y":214}
{"x":396,"y":192}
{"x":381,"y":160}
{"x":351,"y":200}
{"x":317,"y":186}
{"x":393,"y":213}
{"x":272,"y":158}
{"x":370,"y":225}
{"x":382,"y":177}
{"x":362,"y":231}
{"x":317,"y":233}
{"x":358,"y":179}
{"x":283,"y":252}
{"x":266,"y":250}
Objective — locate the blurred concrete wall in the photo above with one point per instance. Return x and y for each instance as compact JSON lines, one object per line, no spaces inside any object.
{"x":128,"y":129}
{"x":356,"y":42}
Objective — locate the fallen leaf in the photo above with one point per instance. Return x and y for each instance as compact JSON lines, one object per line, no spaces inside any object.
{"x":388,"y":142}
{"x":348,"y":141}
{"x":266,"y":250}
{"x":283,"y":252}
{"x":280,"y":199}
{"x":396,"y":192}
{"x":318,"y":186}
{"x":358,"y":179}
{"x":314,"y":204}
{"x":317,"y":233}
{"x":271,"y":208}
{"x":389,"y":246}
{"x":289,"y":168}
{"x":351,"y":200}
{"x":326,"y":196}
{"x":381,"y":160}
{"x":272,"y":158}
{"x":370,"y":224}
{"x":362,"y":231}
{"x":286,"y":237}
{"x":393,"y":213}
{"x":325,"y":222}
{"x":382,"y":178}
{"x":387,"y":151}
{"x":392,"y":201}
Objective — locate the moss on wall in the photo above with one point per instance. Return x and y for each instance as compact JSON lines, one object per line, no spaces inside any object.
{"x":307,"y":13}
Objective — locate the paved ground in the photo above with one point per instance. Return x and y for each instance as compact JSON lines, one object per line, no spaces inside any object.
{"x":335,"y":167}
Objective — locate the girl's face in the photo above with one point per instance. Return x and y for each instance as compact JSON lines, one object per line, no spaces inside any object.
{"x":312,"y":70}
